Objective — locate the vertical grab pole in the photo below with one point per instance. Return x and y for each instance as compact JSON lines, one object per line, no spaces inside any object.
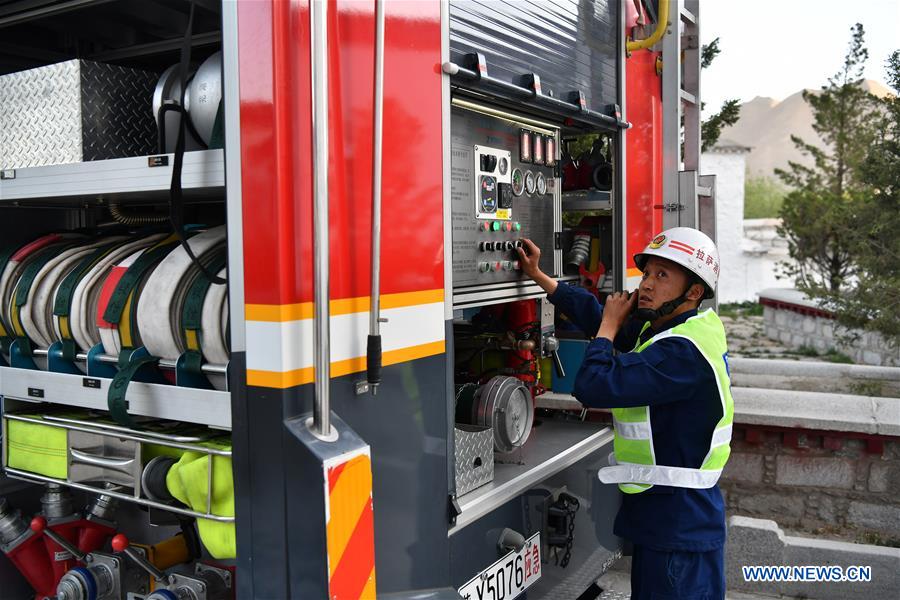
{"x":373,"y":346}
{"x":322,"y":337}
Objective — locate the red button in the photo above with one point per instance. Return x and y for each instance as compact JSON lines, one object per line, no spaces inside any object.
{"x":509,"y":226}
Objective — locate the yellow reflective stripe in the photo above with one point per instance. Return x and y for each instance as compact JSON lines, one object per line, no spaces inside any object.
{"x":125,"y":323}
{"x":192,"y":339}
{"x":17,"y":323}
{"x":64,"y":328}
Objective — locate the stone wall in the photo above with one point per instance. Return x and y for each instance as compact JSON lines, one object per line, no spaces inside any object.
{"x":793,"y":320}
{"x":828,"y":483}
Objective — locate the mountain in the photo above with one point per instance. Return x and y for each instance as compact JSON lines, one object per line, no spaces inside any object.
{"x":766,"y":126}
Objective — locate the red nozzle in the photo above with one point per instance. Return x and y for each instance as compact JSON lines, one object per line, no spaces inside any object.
{"x":38,"y":524}
{"x":120,"y":543}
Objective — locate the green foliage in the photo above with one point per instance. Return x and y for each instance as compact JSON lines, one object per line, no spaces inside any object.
{"x":820,"y":215}
{"x":763,"y":197}
{"x":873,"y":301}
{"x":709,"y":52}
{"x":577,"y":146}
{"x":740,"y":309}
{"x":711,"y":128}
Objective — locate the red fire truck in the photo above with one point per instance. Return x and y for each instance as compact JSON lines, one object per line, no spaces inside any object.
{"x":264,"y":330}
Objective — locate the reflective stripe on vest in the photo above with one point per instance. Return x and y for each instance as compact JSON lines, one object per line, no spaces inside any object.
{"x":633,"y":463}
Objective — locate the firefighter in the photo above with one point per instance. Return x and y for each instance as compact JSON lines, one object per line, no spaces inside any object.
{"x":669,"y":391}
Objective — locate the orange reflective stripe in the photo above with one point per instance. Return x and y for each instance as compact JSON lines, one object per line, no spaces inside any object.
{"x":286,"y":379}
{"x":351,"y":530}
{"x":342,"y":306}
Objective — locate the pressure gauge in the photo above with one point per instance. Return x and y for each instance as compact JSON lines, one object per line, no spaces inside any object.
{"x":541,"y":184}
{"x":529,"y":183}
{"x":503,"y":165}
{"x":488,"y":194}
{"x":518,"y":182}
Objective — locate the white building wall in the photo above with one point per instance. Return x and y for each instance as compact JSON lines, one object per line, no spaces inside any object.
{"x":749,"y":251}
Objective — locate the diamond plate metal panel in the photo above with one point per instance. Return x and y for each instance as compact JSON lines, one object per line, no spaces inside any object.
{"x":75,"y":111}
{"x":474,"y":452}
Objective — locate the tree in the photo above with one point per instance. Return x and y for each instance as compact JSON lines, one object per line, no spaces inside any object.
{"x":820,"y":214}
{"x":873,"y":302}
{"x":763,"y":197}
{"x":711,"y":128}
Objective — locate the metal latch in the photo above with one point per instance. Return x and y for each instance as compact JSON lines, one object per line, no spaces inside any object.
{"x":670,"y":206}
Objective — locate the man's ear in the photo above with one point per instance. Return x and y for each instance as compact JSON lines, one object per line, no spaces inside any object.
{"x":696,"y":292}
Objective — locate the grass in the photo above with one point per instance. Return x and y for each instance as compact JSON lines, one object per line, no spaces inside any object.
{"x":741,"y":309}
{"x":831,"y":355}
{"x":837,"y":357}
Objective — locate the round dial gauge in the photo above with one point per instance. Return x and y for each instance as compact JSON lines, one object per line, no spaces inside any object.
{"x":504,"y":165}
{"x":541,"y":184}
{"x":488,"y":194}
{"x":518,"y":182}
{"x":529,"y":182}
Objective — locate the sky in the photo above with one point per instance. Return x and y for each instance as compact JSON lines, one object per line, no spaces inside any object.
{"x":775,"y":48}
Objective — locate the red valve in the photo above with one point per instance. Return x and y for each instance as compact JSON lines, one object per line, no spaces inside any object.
{"x":38,"y":524}
{"x":120,"y":543}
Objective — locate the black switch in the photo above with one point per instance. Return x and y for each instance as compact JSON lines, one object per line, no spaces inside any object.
{"x":484,"y":160}
{"x":492,"y":163}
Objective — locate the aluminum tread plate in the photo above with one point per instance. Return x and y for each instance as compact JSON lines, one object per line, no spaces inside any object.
{"x":552,"y":447}
{"x":206,"y":407}
{"x":203,"y":169}
{"x":74,"y":111}
{"x":574,"y":584}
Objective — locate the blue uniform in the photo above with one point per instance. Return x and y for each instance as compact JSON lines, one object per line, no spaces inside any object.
{"x":678,"y":533}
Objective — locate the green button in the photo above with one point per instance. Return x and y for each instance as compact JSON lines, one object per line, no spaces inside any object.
{"x":518,"y":227}
{"x":495,"y":226}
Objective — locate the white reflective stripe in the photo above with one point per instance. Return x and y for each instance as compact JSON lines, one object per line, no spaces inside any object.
{"x":660,"y":475}
{"x":721,"y":436}
{"x":611,"y":459}
{"x":639,"y":430}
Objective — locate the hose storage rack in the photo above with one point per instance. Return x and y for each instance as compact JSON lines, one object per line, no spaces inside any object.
{"x":97,"y":452}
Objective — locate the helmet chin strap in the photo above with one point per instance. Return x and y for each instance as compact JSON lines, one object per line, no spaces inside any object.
{"x":666,"y":309}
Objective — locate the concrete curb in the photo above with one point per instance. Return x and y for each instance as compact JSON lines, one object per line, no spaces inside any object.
{"x":760,"y":542}
{"x":798,"y":368}
{"x":817,"y":410}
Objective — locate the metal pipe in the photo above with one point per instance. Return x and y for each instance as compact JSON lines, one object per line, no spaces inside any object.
{"x":29,"y":476}
{"x":165,"y":363}
{"x":662,"y":23}
{"x":322,"y":316}
{"x":527,"y":95}
{"x":156,"y":439}
{"x":373,"y":349}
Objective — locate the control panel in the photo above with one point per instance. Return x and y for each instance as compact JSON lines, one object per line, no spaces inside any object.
{"x":504,"y":188}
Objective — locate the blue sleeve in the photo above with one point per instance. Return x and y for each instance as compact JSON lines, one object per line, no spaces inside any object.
{"x":581,"y":306}
{"x":668,"y":371}
{"x":586,"y":312}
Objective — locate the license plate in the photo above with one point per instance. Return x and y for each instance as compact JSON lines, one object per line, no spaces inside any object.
{"x":509,"y":576}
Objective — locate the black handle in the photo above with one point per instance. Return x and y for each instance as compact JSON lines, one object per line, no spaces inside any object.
{"x":373,"y":359}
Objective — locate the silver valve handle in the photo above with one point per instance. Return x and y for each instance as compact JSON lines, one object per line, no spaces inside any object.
{"x":120,"y":543}
{"x":39,"y":525}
